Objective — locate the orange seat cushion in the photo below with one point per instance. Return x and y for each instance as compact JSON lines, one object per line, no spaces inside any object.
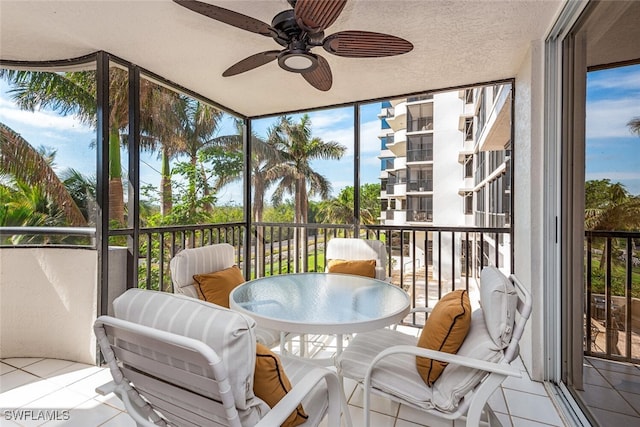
{"x":215,"y":287}
{"x":270,"y":383}
{"x":365,"y":268}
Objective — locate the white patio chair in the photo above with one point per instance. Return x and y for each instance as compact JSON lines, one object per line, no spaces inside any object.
{"x":208,"y":259}
{"x":384,"y":361}
{"x":181,"y":361}
{"x":353,"y":249}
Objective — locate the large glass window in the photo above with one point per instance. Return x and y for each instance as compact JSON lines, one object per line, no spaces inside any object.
{"x":48,"y":153}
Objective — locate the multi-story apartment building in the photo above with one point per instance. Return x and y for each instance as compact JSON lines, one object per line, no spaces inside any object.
{"x":445,"y":161}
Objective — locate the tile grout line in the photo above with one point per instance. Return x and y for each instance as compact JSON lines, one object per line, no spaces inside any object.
{"x":618,"y":392}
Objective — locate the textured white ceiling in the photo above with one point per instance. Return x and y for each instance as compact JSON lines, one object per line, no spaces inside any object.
{"x":455,"y":43}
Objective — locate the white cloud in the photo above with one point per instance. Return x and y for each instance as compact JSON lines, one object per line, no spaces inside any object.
{"x":369,"y":141}
{"x":609,"y":118}
{"x":627,"y":82}
{"x":328,"y":118}
{"x":39,"y":119}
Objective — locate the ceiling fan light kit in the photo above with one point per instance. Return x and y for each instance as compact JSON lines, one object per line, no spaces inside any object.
{"x":297,"y":61}
{"x":299,"y":30}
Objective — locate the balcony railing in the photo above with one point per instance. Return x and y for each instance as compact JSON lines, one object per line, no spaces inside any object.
{"x":421,"y":155}
{"x":420,"y":185}
{"x":612,"y":295}
{"x":421,"y":259}
{"x":420,"y":124}
{"x":419,"y":216}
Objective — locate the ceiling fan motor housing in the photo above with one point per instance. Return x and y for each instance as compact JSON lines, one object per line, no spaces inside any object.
{"x":297,"y":57}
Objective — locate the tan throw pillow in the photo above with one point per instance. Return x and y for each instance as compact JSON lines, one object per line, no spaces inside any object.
{"x":365,"y":268}
{"x":270,"y":383}
{"x":216,"y":286}
{"x":445,"y":330}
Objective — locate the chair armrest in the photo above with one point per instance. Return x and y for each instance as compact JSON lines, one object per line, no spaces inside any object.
{"x":293,"y":398}
{"x":106,"y":388}
{"x":498,"y":368}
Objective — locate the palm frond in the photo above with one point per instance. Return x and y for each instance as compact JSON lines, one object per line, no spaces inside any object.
{"x":19,"y":159}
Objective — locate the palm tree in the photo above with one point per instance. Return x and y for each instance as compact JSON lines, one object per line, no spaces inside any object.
{"x":75,"y":93}
{"x":610,"y":207}
{"x":198,"y":124}
{"x":20,"y":160}
{"x":339,"y":210}
{"x":83,"y":191}
{"x":634,"y":125}
{"x":298,"y":149}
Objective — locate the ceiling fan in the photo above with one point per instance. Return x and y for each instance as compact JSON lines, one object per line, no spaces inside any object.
{"x":299,"y":30}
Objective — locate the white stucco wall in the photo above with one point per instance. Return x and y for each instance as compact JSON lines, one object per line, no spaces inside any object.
{"x":48,"y":303}
{"x":528,"y":212}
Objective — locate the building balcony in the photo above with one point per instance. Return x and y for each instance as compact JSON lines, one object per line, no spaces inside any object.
{"x":420,"y":186}
{"x":496,"y":132}
{"x":44,"y":368}
{"x":399,"y":119}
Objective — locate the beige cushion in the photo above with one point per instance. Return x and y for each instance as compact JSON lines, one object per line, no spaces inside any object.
{"x":230,"y":334}
{"x":398,"y":375}
{"x":216,"y":286}
{"x":271,"y":384}
{"x":457,"y":380}
{"x":200,"y":260}
{"x":359,"y":249}
{"x":445,"y":330}
{"x":365,"y":268}
{"x":499,"y":301}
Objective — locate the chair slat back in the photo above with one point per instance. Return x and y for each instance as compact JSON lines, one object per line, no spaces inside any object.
{"x":202,"y":260}
{"x":181,"y":377}
{"x":350,"y":248}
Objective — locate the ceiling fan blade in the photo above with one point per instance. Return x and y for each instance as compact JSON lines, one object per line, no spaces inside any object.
{"x":227,"y":16}
{"x":365,"y":44}
{"x":317,"y":15}
{"x":321,"y":77}
{"x":251,"y":62}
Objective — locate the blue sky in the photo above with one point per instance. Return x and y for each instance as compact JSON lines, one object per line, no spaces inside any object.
{"x":73,"y":142}
{"x":612,"y":151}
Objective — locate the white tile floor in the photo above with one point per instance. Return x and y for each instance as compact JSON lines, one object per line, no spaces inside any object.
{"x":52,"y":392}
{"x":612,"y":391}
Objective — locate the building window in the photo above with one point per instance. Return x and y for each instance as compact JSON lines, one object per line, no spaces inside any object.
{"x":420,"y":178}
{"x":420,"y":209}
{"x":468,"y":203}
{"x":468,"y":166}
{"x":480,"y":167}
{"x":420,"y":117}
{"x":386,"y":163}
{"x":468,"y":96}
{"x":420,"y":148}
{"x":468,"y":129}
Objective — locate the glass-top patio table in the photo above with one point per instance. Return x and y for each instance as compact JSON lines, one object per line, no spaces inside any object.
{"x":321,"y":303}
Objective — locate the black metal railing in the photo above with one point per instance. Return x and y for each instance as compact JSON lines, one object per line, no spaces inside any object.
{"x":612,"y":295}
{"x":426,"y":261}
{"x":158,"y":245}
